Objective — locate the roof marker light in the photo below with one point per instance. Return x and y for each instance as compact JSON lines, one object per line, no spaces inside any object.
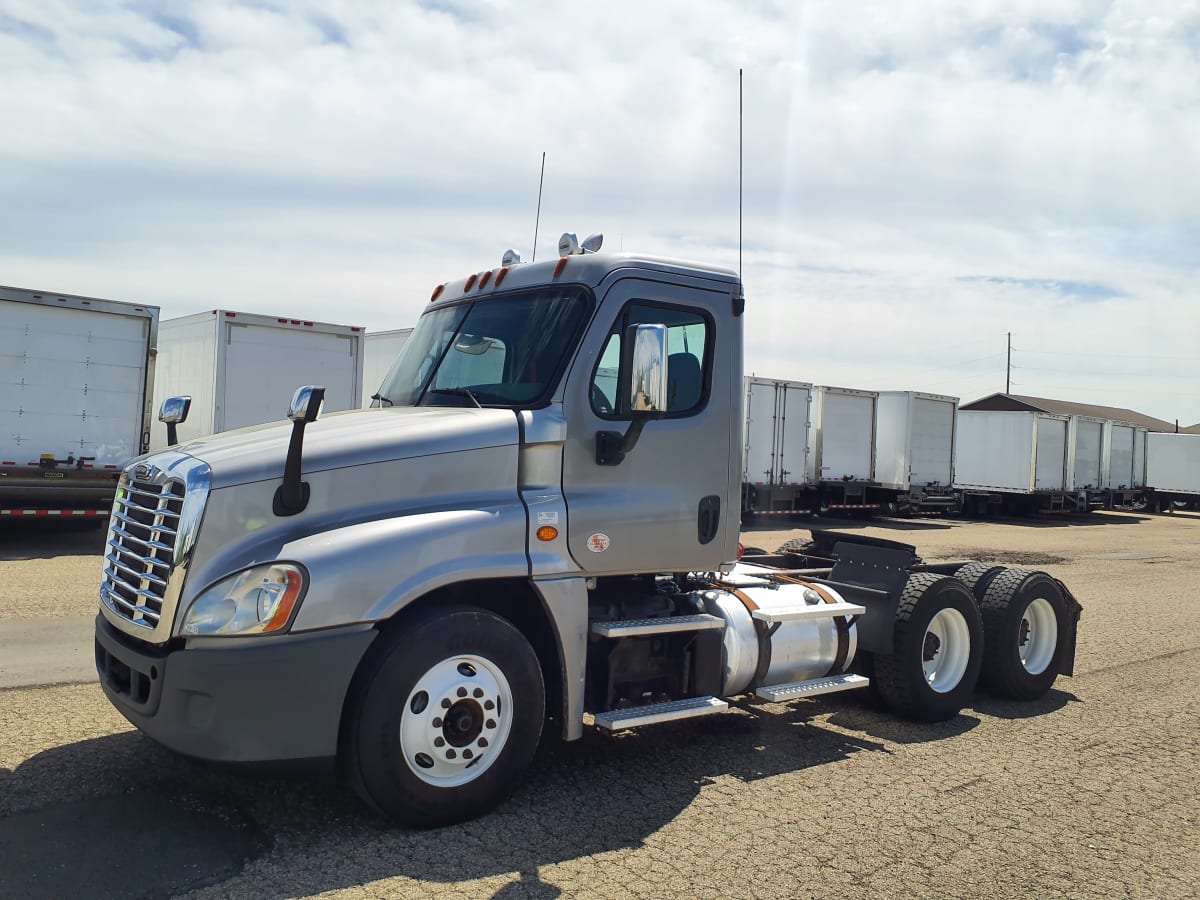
{"x":501,"y":275}
{"x":437,"y":292}
{"x":470,"y":283}
{"x":559,"y":266}
{"x":483,"y":282}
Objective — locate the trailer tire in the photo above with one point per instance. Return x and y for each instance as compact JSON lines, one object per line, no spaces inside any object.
{"x":1025,"y":617}
{"x":937,"y":650}
{"x":445,"y":717}
{"x":977,"y":576}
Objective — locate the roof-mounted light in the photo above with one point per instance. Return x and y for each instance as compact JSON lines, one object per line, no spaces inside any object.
{"x":568,"y":244}
{"x":510,"y":258}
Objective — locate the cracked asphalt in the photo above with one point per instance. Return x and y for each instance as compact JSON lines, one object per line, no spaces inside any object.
{"x":1094,"y":791}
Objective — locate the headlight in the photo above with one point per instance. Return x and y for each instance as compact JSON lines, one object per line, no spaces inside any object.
{"x":257,"y":601}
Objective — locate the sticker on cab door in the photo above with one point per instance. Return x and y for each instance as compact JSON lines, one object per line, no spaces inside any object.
{"x":547,"y":518}
{"x":597,"y":543}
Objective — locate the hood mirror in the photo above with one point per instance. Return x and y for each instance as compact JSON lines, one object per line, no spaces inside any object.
{"x":291,"y":497}
{"x":173,"y":412}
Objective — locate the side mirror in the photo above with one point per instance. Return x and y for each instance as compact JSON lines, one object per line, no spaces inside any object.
{"x":173,"y":412}
{"x":306,"y":404}
{"x":641,"y":387}
{"x":292,"y":495}
{"x":645,"y":365}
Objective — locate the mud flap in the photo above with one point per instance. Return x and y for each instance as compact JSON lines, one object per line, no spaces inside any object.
{"x":1066,"y":665}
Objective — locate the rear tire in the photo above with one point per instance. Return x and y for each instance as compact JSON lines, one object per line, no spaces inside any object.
{"x":1024,"y":620}
{"x":937,"y":650}
{"x":445,"y":717}
{"x":977,"y":576}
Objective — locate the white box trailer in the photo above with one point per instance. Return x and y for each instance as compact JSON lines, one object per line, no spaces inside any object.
{"x":380,"y":349}
{"x":241,"y":369}
{"x":1124,"y":463}
{"x":914,"y":451}
{"x":775,"y":456}
{"x":75,"y":376}
{"x":1017,"y":461}
{"x":841,"y":460}
{"x":1173,"y":470}
{"x":1085,"y":458}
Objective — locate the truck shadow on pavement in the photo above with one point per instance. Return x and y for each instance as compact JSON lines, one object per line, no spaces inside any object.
{"x":69,"y":816}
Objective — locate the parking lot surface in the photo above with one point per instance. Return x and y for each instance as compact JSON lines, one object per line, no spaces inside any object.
{"x":1093,"y":791}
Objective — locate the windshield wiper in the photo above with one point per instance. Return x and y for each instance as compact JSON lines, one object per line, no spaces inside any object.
{"x":458,"y":392}
{"x":382,"y":399}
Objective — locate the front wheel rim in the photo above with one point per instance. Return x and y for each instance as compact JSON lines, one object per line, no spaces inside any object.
{"x":456,"y":721}
{"x":1037,"y":638}
{"x":946,"y":650}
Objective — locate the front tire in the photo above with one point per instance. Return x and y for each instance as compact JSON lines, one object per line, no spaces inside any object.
{"x":445,"y":718}
{"x":937,"y":650}
{"x":1024,"y":620}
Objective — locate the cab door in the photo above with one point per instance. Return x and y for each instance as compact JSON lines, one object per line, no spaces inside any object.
{"x":670,"y":504}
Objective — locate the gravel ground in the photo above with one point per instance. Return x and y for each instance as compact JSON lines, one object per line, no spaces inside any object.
{"x":1093,"y":791}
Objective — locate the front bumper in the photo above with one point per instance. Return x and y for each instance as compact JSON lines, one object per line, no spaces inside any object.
{"x":279,"y":698}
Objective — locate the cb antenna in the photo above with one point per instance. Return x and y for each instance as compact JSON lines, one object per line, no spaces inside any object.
{"x":538,"y":219}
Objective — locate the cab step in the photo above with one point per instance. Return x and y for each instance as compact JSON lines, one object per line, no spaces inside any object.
{"x":654,"y":713}
{"x":798,"y":690}
{"x":662,"y":625}
{"x":808,"y":611}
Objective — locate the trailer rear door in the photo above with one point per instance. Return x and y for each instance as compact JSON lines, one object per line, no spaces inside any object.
{"x":1050,"y":469}
{"x":932,"y":441}
{"x":1120,"y":463}
{"x":71,"y":381}
{"x":1089,"y":448}
{"x":847,"y":436}
{"x":792,"y":451}
{"x":759,"y":456}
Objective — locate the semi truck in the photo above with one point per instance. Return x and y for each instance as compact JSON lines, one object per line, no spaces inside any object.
{"x":519,"y":547}
{"x":236,"y":365}
{"x":75,"y":395}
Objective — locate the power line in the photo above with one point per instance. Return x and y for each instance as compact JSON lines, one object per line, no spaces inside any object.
{"x":1123,"y":355}
{"x":1087,"y":374}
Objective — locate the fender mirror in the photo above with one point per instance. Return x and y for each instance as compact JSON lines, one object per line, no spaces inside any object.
{"x":174,"y":412}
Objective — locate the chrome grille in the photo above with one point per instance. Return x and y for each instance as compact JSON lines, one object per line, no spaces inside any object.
{"x":141,"y":548}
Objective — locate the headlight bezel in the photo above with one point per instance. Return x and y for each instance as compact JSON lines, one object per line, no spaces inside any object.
{"x":244,"y":589}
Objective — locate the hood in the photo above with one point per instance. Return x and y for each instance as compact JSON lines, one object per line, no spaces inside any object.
{"x":352,"y":438}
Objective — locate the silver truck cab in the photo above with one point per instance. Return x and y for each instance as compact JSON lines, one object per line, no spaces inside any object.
{"x":508,"y":541}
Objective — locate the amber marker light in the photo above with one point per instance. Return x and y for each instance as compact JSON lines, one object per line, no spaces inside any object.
{"x":559,"y":266}
{"x":437,"y":292}
{"x":470,"y":283}
{"x":484,"y":279}
{"x":547,"y":533}
{"x":287,"y":602}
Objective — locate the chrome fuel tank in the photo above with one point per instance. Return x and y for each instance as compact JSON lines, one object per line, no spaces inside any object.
{"x":797,"y":650}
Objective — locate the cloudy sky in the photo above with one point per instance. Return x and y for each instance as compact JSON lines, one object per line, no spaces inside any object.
{"x":921,"y":176}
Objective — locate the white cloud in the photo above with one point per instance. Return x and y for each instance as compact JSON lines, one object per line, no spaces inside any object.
{"x":918,"y":175}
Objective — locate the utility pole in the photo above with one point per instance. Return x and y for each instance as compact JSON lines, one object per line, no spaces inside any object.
{"x":1008,"y":368}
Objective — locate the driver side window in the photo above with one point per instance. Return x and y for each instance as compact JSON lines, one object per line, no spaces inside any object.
{"x":689,"y":339}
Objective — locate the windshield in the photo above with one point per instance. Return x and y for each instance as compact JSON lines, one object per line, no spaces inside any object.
{"x":501,"y":351}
